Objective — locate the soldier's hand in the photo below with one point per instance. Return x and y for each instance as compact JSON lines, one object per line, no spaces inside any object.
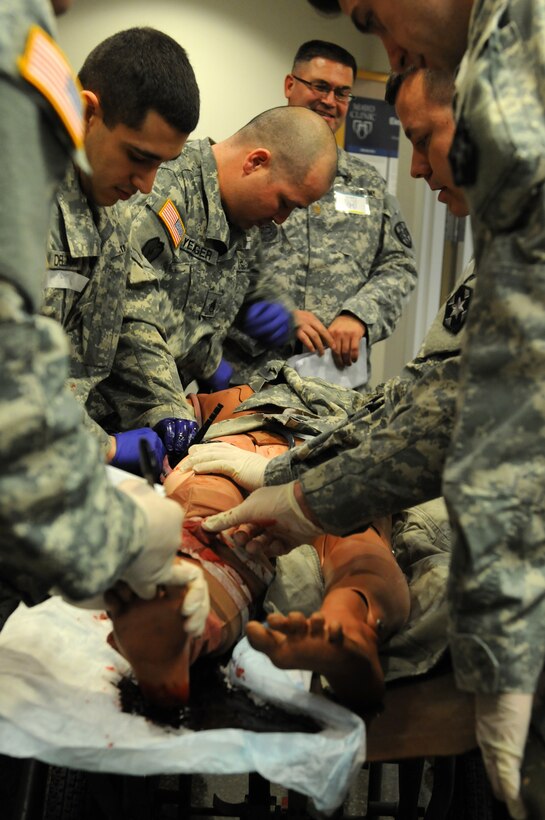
{"x":270,"y":322}
{"x":312,"y":334}
{"x":502,"y":722}
{"x":126,"y":449}
{"x":218,"y":380}
{"x":275,"y":510}
{"x":176,"y":435}
{"x":347,"y":331}
{"x":247,"y":469}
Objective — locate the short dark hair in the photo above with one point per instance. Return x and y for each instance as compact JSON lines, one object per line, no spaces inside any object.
{"x":327,"y":6}
{"x":138,"y":70}
{"x":329,"y":51}
{"x":439,"y":85}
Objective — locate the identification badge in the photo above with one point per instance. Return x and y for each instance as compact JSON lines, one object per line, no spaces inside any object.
{"x":352,"y":202}
{"x":45,"y":67}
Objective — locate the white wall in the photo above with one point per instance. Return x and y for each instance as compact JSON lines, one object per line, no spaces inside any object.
{"x":240,"y":50}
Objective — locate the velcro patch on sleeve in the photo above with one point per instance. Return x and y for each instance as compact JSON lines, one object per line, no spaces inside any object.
{"x":170,"y":217}
{"x":45,"y":67}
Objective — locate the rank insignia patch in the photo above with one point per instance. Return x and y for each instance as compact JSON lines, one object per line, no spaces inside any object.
{"x":172,"y":221}
{"x":456,"y":309}
{"x":268,"y":232}
{"x":153,"y":248}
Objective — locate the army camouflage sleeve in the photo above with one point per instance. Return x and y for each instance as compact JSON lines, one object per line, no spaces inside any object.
{"x":399,"y":435}
{"x":380,"y":300}
{"x":494,"y":477}
{"x":263,"y":286}
{"x":396,"y":467}
{"x":62,"y":524}
{"x":94,"y":428}
{"x":144,"y":386}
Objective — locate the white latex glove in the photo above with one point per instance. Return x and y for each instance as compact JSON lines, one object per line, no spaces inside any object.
{"x":502,"y":722}
{"x":247,"y":469}
{"x":272,"y":508}
{"x":155,"y":563}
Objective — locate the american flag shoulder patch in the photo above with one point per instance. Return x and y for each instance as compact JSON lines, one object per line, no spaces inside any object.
{"x":45,"y":67}
{"x":169,"y":215}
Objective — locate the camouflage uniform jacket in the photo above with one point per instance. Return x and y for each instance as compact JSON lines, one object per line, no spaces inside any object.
{"x":202,"y":261}
{"x":61,"y":523}
{"x":495,"y":475}
{"x":88,"y":261}
{"x":389,"y":455}
{"x":332,"y":262}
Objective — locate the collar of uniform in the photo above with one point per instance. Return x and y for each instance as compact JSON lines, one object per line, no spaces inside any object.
{"x":87,"y":229}
{"x":481,"y":12}
{"x":82,"y":234}
{"x":343,"y":166}
{"x":219,"y":230}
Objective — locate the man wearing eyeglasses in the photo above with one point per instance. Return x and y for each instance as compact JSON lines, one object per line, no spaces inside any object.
{"x":349,"y":272}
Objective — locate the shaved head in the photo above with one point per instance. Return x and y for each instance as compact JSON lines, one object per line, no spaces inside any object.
{"x":297,"y":138}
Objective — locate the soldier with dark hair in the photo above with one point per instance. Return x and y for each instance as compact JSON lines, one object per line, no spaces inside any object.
{"x":142,"y":101}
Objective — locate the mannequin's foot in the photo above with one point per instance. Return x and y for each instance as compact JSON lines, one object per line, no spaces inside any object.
{"x":350,"y":664}
{"x":150,"y":635}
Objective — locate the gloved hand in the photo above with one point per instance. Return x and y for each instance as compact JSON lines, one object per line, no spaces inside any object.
{"x":502,"y":722}
{"x":156,"y":563}
{"x":274,"y":509}
{"x":218,"y":380}
{"x":270,"y":322}
{"x":127,"y":449}
{"x":247,"y":469}
{"x":176,"y":435}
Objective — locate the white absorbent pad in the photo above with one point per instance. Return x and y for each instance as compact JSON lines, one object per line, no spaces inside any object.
{"x":59,"y":703}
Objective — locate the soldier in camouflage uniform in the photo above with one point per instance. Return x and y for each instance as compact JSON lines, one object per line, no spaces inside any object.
{"x":62,"y":523}
{"x":195,"y":229}
{"x":131,"y":126}
{"x":494,"y":474}
{"x":348,"y":272}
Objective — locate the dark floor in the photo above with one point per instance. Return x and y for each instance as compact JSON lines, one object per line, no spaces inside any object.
{"x":34,"y":791}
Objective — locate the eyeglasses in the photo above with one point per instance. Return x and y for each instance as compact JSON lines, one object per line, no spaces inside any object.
{"x":341,"y":93}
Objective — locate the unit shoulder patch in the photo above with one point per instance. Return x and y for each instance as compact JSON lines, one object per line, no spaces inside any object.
{"x":44,"y":66}
{"x":456,"y":309}
{"x":402,"y":233}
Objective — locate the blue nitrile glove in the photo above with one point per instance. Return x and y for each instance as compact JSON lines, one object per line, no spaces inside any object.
{"x":218,"y":380}
{"x":127,"y":450}
{"x":177,"y":435}
{"x":270,"y":322}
